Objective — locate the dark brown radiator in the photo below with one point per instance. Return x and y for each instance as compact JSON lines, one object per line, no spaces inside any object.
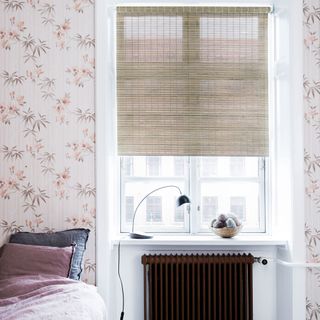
{"x":198,"y":287}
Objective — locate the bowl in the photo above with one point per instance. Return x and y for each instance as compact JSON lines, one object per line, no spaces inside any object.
{"x":226,"y":232}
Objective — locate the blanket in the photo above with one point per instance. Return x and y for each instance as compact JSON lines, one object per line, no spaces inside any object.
{"x":49,"y":297}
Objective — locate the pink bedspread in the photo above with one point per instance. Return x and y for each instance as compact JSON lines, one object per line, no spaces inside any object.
{"x":49,"y":297}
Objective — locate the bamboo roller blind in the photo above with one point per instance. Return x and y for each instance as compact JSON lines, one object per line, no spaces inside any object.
{"x":192,"y":81}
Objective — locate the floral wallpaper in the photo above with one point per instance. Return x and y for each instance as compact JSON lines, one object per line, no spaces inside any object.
{"x":311,"y":83}
{"x":47,"y":130}
{"x":47,"y":119}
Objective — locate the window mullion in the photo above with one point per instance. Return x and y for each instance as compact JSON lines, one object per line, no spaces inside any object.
{"x":262,"y":193}
{"x":188,"y":211}
{"x":194,"y":195}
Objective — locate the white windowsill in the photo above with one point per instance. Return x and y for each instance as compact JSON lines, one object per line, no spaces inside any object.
{"x":195,"y":240}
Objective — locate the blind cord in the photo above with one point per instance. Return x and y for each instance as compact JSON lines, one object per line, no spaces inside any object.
{"x":121,"y":284}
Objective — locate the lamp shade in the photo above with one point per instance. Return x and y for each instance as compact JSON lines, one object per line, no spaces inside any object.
{"x":183,"y":199}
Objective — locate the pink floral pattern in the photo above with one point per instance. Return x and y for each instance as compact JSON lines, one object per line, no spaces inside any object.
{"x":83,"y":73}
{"x":47,"y":137}
{"x":311,"y":83}
{"x":47,"y":124}
{"x":62,"y":34}
{"x":12,"y":109}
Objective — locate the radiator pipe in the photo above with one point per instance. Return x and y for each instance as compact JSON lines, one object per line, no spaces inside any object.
{"x":261,"y":260}
{"x":298,"y":264}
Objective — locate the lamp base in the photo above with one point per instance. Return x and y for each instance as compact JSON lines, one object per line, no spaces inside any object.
{"x":140,"y":235}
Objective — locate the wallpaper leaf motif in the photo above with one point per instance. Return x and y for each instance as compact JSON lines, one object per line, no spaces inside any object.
{"x":85,"y":191}
{"x":12,"y":79}
{"x":11,"y":153}
{"x":80,"y":5}
{"x":311,"y":85}
{"x":85,"y":115}
{"x":13,"y":4}
{"x":47,"y":12}
{"x":84,"y":41}
{"x":9,"y":228}
{"x":313,"y":310}
{"x":47,"y":119}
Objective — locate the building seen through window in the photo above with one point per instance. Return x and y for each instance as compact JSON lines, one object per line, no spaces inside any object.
{"x":238,"y":207}
{"x":154,"y":209}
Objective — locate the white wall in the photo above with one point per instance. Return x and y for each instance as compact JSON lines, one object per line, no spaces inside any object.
{"x":289,"y":179}
{"x":132,"y":275}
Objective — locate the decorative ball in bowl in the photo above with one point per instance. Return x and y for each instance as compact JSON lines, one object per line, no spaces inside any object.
{"x":226,"y":225}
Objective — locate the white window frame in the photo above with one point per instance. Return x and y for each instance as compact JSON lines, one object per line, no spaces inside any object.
{"x":286,"y":202}
{"x":192,"y":179}
{"x":108,"y":100}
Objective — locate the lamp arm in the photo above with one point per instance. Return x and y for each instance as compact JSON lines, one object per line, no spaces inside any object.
{"x":135,"y":211}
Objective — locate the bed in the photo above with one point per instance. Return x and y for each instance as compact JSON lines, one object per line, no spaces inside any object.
{"x":40,"y":278}
{"x":49,"y":297}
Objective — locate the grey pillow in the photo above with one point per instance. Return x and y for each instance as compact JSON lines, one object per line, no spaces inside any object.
{"x":58,"y":239}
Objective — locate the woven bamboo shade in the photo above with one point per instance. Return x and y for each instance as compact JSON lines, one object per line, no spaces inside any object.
{"x":192,"y":81}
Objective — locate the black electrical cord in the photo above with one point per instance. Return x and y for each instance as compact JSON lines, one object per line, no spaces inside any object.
{"x":121,"y":283}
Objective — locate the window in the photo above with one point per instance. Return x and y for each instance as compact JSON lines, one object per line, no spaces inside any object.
{"x":192,"y":107}
{"x":241,"y":193}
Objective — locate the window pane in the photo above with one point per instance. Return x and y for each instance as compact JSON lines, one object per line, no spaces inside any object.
{"x":179,"y":166}
{"x":238,"y":207}
{"x":153,"y":166}
{"x":219,"y":36}
{"x":154,"y":209}
{"x":153,"y":39}
{"x":239,"y":197}
{"x":179,"y":212}
{"x":128,"y":166}
{"x":129,"y":208}
{"x":209,"y":166}
{"x":158,"y":207}
{"x":158,"y":213}
{"x":209,"y":209}
{"x":237,"y":166}
{"x":229,"y":167}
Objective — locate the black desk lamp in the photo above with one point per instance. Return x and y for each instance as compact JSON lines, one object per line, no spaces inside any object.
{"x":180,"y":201}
